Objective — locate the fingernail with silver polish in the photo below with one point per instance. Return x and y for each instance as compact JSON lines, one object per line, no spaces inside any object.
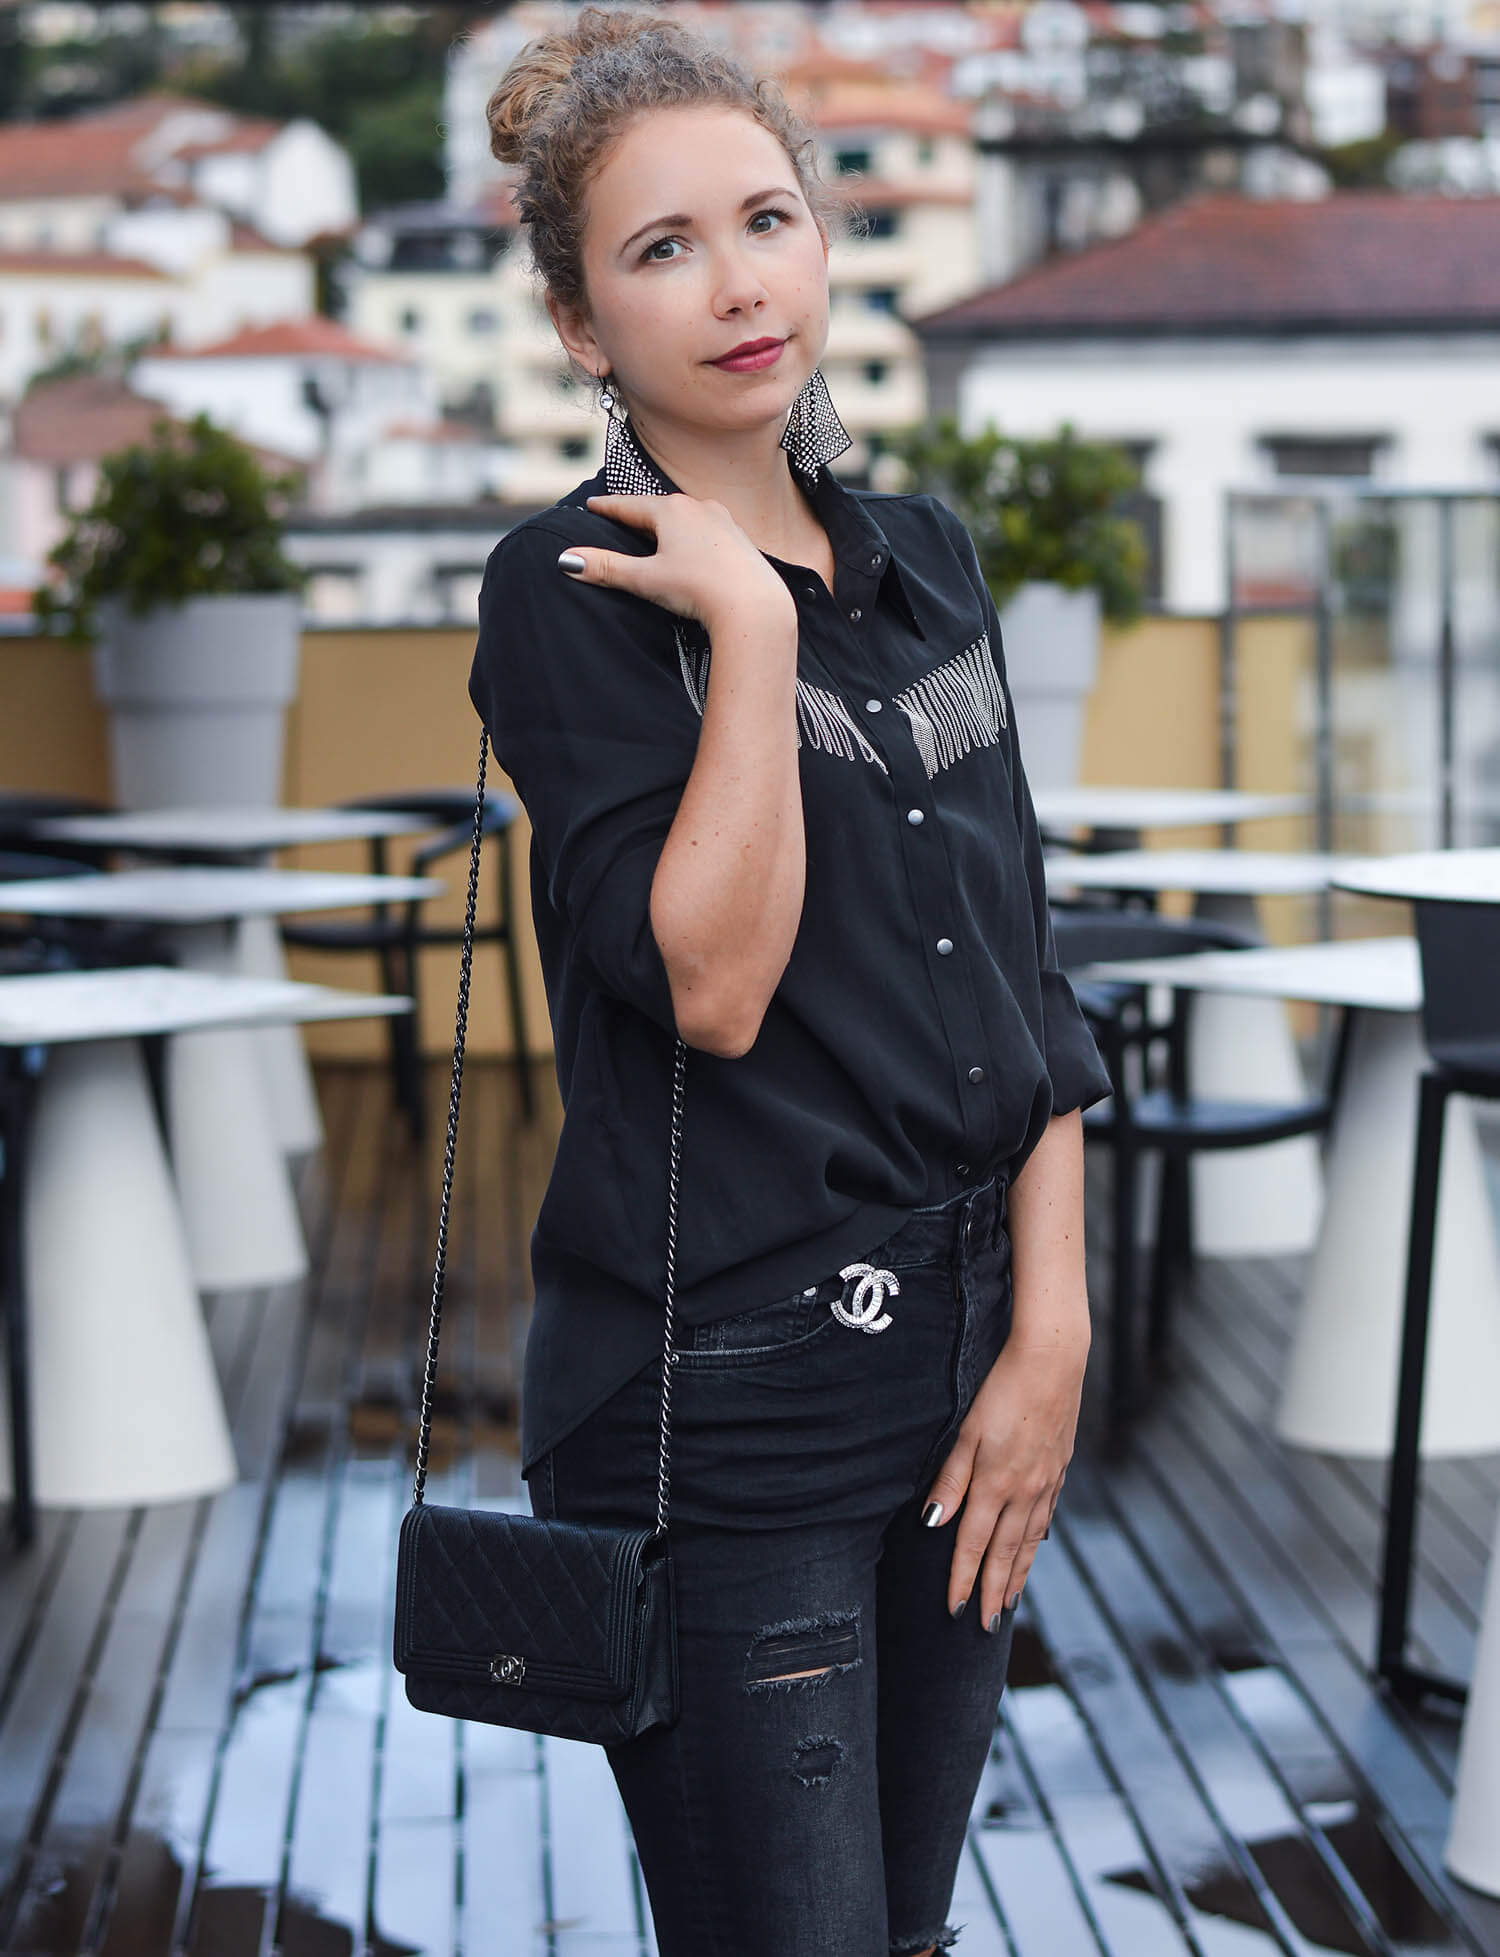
{"x":571,"y":561}
{"x":932,"y":1515}
{"x":995,"y":1622}
{"x":959,"y":1608}
{"x":1014,"y":1601}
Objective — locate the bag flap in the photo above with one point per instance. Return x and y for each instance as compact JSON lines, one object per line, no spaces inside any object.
{"x":475,"y":1587}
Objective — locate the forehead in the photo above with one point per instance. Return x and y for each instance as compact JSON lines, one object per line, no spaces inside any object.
{"x":683,"y":159}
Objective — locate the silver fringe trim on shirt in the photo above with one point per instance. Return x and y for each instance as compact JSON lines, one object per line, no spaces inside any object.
{"x":823,"y":721}
{"x":957,"y":707}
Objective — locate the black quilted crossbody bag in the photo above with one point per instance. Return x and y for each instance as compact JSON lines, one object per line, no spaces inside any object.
{"x":555,"y":1627}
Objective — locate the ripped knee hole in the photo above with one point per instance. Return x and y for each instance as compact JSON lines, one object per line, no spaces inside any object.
{"x":803,"y":1652}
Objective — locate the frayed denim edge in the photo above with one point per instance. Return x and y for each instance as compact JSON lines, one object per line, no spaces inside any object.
{"x":943,"y":1940}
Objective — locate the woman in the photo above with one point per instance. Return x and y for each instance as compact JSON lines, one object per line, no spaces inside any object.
{"x":760,"y":726}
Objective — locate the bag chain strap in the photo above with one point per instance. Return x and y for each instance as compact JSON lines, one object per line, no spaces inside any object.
{"x":429,"y":1376}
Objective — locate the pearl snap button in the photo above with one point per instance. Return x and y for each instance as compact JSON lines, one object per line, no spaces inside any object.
{"x":915,"y":817}
{"x":960,"y":1168}
{"x":872,"y":706}
{"x":944,"y":946}
{"x":976,"y":1074}
{"x":875,"y":562}
{"x":855,"y":615}
{"x":812,"y":591}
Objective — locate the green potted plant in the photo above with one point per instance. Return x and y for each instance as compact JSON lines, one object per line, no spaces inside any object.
{"x":175,"y":571}
{"x":1057,"y":555}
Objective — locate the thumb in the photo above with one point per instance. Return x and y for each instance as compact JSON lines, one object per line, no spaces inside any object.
{"x":950,"y":1485}
{"x":604,"y":567}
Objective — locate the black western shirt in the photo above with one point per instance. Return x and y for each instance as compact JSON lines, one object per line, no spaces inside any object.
{"x":921,"y":1035}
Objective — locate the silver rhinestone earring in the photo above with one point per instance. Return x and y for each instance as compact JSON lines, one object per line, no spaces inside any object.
{"x":814,"y":434}
{"x":626,"y":470}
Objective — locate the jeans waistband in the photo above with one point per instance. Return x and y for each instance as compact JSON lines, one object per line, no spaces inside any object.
{"x":969,"y":1220}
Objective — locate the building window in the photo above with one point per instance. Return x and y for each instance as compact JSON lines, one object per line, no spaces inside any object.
{"x":881,"y":298}
{"x":875,"y":372}
{"x":851,"y":162}
{"x":410,"y":320}
{"x":573,"y":448}
{"x":332,"y":594}
{"x":925,"y":149}
{"x":483,"y":320}
{"x":1318,"y":455}
{"x":1492,"y":443}
{"x":882,"y":224}
{"x":457,"y":588}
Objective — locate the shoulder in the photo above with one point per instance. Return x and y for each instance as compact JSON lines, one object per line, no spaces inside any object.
{"x":914,"y":520}
{"x":533,"y":543}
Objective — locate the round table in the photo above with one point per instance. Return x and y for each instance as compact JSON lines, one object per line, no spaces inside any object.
{"x":247,"y":836}
{"x":127,"y":1403}
{"x":1246,"y":1202}
{"x":237,"y":1203}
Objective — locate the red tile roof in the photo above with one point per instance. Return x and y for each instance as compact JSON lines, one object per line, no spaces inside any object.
{"x":78,"y":265}
{"x":288,"y":336}
{"x":86,"y":416}
{"x":108,"y":152}
{"x":1355,"y":261}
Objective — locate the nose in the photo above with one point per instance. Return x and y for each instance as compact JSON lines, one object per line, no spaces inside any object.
{"x":739,"y":287}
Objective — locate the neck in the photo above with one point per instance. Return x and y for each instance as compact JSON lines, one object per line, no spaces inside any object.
{"x":749,"y":472}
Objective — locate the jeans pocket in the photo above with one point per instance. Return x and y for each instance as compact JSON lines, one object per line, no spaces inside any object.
{"x":769,"y":1331}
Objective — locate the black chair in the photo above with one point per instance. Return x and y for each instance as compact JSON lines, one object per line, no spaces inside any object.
{"x":397,"y":934}
{"x":1142,"y":1116}
{"x":1460,"y":946}
{"x":21,"y":809}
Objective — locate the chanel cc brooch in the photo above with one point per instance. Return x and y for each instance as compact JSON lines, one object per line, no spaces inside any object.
{"x":864,"y":1311}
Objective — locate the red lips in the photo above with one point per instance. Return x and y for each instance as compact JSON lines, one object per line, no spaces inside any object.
{"x":747,"y":346}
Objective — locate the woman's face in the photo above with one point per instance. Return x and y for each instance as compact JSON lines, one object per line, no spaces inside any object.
{"x":697,"y":241}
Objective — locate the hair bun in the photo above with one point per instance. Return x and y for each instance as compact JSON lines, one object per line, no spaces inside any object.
{"x":532,"y":83}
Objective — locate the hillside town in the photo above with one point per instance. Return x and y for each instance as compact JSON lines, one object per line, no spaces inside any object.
{"x":1246,"y":240}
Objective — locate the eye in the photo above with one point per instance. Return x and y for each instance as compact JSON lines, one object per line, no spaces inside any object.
{"x":772,"y":211}
{"x":648,"y":256}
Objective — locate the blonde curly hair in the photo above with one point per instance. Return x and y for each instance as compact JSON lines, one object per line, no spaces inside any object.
{"x":569,"y":96}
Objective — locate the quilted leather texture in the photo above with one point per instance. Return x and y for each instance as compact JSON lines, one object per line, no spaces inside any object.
{"x":588,"y":1610}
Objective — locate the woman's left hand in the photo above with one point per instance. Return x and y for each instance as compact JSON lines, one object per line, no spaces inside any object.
{"x":1009,"y":1461}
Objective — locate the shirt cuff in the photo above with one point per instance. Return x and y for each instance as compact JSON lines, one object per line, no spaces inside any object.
{"x":1077,"y":1073}
{"x":615,"y":934}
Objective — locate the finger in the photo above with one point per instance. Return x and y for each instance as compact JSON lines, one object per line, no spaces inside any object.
{"x":642,"y":510}
{"x":951,"y":1485}
{"x":1011,"y":1552}
{"x":975,"y":1530}
{"x":611,"y":568}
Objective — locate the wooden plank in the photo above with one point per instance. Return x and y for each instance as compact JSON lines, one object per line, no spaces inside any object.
{"x":92,"y":1781}
{"x":592,"y":1895}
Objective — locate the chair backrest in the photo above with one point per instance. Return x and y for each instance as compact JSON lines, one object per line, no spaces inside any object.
{"x":1460,"y":946}
{"x":1086,"y":937}
{"x":24,"y":866}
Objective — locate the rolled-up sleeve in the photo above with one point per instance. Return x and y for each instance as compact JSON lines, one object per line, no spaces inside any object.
{"x":582,"y":693}
{"x":1074,"y":1066}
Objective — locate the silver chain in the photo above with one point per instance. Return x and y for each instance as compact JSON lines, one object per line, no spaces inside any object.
{"x":429,"y":1376}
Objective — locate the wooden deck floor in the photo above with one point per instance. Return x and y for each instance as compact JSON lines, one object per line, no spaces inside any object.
{"x":203,"y":1748}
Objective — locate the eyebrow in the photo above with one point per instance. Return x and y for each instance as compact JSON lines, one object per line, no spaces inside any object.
{"x":685,"y":217}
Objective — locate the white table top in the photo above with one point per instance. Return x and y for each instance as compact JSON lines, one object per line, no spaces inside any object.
{"x":48,"y":1008}
{"x":1382,"y":974}
{"x":234,"y":831}
{"x":1157,"y":808}
{"x":198,"y":896}
{"x":1214,"y":872}
{"x":1460,"y":876}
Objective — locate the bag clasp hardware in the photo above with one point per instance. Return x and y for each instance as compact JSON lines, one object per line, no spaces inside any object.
{"x":506,"y":1669}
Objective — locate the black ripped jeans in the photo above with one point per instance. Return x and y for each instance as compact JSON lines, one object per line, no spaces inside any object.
{"x":820,"y":1816}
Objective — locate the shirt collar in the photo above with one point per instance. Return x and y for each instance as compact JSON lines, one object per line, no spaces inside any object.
{"x":857,"y":541}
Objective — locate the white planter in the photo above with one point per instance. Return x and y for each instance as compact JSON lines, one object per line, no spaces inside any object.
{"x":1051,"y":658}
{"x":197,"y":695}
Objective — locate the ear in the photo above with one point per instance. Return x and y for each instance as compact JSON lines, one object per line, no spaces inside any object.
{"x":577,"y":336}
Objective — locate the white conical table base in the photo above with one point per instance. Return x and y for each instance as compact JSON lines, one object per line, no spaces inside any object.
{"x":1473,"y":1850}
{"x":127,"y":1401}
{"x":1339,"y":1396}
{"x":1249,"y":1202}
{"x":238,"y":1209}
{"x":295,"y":1117}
